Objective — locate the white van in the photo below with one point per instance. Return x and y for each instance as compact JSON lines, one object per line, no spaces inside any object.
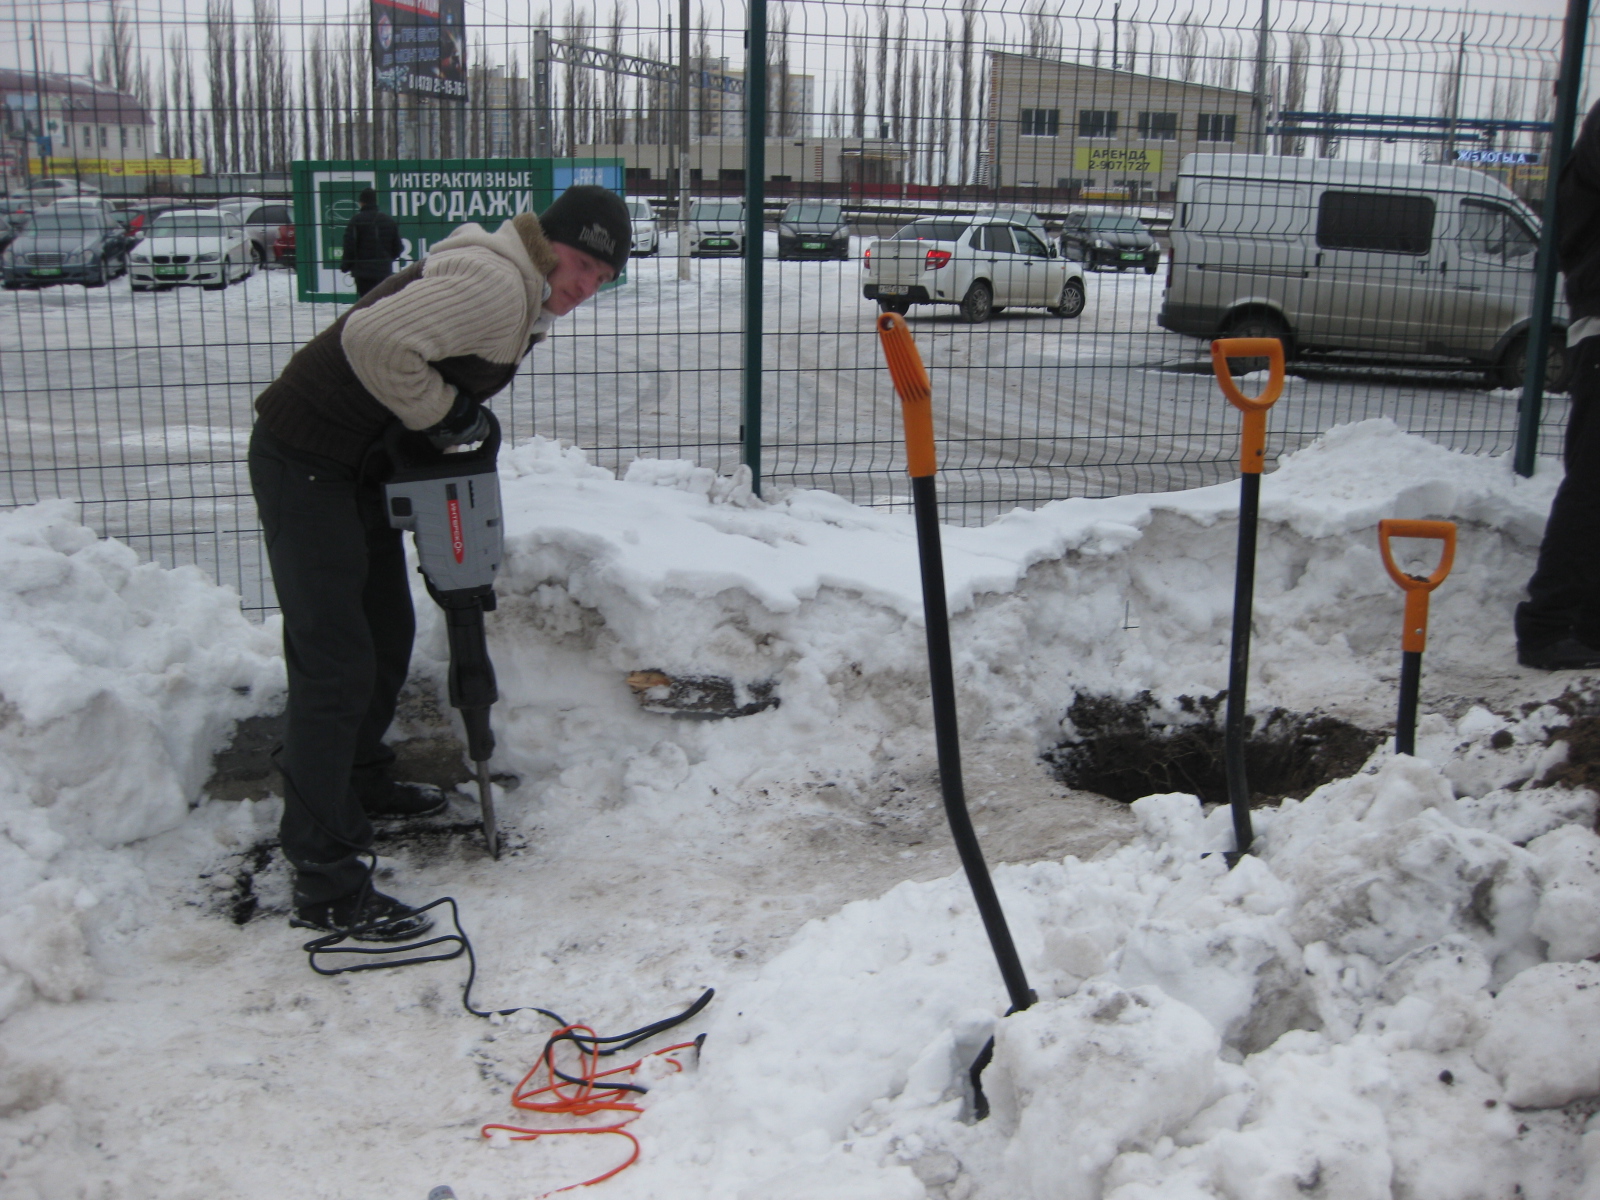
{"x":1381,"y":258}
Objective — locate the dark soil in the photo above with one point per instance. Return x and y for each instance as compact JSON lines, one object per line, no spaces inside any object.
{"x":1582,"y":735}
{"x":1128,"y":748}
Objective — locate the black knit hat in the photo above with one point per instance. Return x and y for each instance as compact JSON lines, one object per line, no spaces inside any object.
{"x":591,"y":219}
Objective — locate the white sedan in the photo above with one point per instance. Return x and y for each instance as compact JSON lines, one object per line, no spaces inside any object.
{"x":646,"y":237}
{"x":207,"y":246}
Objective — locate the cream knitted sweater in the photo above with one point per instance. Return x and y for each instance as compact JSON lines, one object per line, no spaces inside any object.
{"x":481,"y":296}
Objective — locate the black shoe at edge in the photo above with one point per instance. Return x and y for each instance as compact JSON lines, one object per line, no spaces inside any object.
{"x":405,"y":800}
{"x":366,"y":916}
{"x":1568,"y":654}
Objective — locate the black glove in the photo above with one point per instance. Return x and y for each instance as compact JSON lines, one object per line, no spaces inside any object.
{"x":466,"y":422}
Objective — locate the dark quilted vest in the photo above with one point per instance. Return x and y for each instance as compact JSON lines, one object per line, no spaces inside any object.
{"x":318,"y":405}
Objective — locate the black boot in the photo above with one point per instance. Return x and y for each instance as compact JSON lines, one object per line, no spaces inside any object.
{"x":366,"y":916}
{"x":393,"y":800}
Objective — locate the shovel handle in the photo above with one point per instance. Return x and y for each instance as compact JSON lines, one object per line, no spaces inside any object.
{"x":915,"y":390}
{"x":1416,"y":587}
{"x":1253,"y":441}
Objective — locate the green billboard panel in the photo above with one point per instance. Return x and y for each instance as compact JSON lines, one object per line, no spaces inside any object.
{"x":427,"y":199}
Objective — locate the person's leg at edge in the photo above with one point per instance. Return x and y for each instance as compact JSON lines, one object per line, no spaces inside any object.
{"x":317,"y":549}
{"x":1564,"y":592}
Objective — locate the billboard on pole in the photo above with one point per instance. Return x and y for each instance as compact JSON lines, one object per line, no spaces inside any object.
{"x":420,"y":47}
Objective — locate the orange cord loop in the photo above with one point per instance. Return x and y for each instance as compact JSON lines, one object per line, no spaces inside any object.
{"x":575,"y":1095}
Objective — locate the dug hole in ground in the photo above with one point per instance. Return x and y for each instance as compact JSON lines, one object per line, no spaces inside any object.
{"x":1391,"y":997}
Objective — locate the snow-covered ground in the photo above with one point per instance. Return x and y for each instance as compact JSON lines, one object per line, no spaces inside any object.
{"x":1390,"y":998}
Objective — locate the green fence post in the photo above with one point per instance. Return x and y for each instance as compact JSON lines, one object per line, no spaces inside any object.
{"x":755,"y":168}
{"x":1544,"y":286}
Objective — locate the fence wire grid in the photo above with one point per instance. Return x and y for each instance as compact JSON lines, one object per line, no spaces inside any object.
{"x":1044,"y":142}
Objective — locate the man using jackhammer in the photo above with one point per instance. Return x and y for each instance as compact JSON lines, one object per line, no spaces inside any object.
{"x":425,"y":348}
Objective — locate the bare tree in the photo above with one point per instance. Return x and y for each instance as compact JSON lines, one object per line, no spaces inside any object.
{"x":1187,"y":40}
{"x":1332,"y":82}
{"x":222,"y":38}
{"x":612,"y":106}
{"x":882,"y":63}
{"x":947,"y":73}
{"x":1043,"y":30}
{"x":969,"y":18}
{"x":270,"y":87}
{"x":858,"y":84}
{"x":118,"y":64}
{"x":1294,"y":90}
{"x":317,"y":72}
{"x":913,"y":115}
{"x":897,"y":81}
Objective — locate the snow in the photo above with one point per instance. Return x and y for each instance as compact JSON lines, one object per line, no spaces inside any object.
{"x":1388,"y":998}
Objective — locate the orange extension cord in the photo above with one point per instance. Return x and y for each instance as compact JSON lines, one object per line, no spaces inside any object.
{"x":577,"y":1096}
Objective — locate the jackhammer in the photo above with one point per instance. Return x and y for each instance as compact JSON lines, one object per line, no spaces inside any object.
{"x":450,"y":501}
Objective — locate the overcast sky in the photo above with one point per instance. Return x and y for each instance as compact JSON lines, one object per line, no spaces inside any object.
{"x":1393,"y":54}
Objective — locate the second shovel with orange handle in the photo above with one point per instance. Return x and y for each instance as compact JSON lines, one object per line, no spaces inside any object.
{"x":1414,"y":632}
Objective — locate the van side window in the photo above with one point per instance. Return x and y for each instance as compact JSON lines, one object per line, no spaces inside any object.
{"x":1374,"y":221}
{"x":1489,"y":231}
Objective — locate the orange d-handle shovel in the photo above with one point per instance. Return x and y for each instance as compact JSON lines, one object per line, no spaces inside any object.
{"x":1252,"y":455}
{"x":1414,"y":634}
{"x":916,"y":403}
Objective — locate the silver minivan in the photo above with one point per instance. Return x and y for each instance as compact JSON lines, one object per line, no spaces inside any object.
{"x":1381,"y":258}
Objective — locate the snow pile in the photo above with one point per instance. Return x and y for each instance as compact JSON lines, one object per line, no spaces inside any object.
{"x":117,"y":681}
{"x":1351,"y":1012}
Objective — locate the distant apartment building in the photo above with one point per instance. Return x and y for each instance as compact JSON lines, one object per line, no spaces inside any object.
{"x":791,"y":104}
{"x":91,"y":128}
{"x":1055,"y":124}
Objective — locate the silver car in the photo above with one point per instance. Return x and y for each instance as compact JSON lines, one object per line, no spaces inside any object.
{"x":76,"y":241}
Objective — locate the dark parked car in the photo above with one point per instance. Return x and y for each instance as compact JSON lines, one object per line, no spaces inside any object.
{"x":810,"y":230}
{"x":68,"y":242}
{"x":1111,"y":240}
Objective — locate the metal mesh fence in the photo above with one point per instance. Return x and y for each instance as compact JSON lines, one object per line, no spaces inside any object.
{"x":1046,"y":144}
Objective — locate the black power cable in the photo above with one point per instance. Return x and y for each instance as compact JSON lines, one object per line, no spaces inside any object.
{"x":384,"y":958}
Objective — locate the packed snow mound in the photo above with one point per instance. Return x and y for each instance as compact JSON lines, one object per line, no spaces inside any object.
{"x":1350,"y":1012}
{"x":118,"y":680}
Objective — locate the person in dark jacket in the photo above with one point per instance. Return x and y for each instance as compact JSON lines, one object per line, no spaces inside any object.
{"x":1558,"y":626}
{"x":371,"y":244}
{"x":424,"y":349}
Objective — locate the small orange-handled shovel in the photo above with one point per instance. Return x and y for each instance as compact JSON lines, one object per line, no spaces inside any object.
{"x":1414,"y":633}
{"x":1252,"y":456}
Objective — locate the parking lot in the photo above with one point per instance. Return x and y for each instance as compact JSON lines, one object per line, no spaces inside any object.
{"x":140,"y":404}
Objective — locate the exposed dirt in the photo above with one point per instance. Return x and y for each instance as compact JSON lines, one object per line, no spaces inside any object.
{"x":1125,"y":749}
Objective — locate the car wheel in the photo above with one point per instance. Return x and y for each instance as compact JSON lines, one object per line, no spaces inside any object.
{"x":258,"y":256}
{"x":978,"y":303}
{"x":1150,"y":268}
{"x":902,"y":307}
{"x":1256,"y":325}
{"x":996,"y":309}
{"x":1073,"y":299}
{"x":1512,"y":370}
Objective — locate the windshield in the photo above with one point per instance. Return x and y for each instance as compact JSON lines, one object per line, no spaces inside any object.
{"x":639,"y":210}
{"x":820,"y":214}
{"x":189,"y":225}
{"x":936,"y":231}
{"x":67,"y":220}
{"x":717,"y":212}
{"x":1122,"y":224}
